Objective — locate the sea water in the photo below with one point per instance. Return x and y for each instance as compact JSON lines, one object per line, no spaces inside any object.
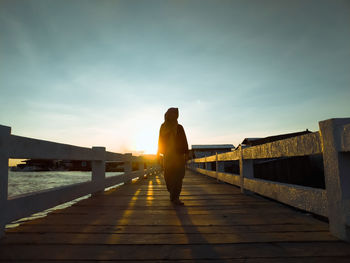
{"x":27,"y":182}
{"x":22,"y":183}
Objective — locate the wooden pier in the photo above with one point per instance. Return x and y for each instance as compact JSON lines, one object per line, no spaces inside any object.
{"x":137,"y":222}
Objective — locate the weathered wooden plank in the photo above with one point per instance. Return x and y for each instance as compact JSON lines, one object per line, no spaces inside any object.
{"x":129,"y":218}
{"x":306,"y":144}
{"x":189,"y":196}
{"x":314,"y":259}
{"x":168,"y":229}
{"x":193,"y":191}
{"x":146,"y":202}
{"x":174,"y":252}
{"x":172,"y":239}
{"x":23,"y":147}
{"x":105,"y":211}
{"x":306,"y":198}
{"x":228,"y":156}
{"x":232,"y":179}
{"x":244,"y":206}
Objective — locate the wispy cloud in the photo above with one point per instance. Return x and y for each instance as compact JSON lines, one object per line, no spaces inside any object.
{"x":86,"y":73}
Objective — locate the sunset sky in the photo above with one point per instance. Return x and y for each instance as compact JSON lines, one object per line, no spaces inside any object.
{"x":103,"y":73}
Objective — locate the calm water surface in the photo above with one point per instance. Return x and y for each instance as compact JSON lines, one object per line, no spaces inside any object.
{"x":27,"y":182}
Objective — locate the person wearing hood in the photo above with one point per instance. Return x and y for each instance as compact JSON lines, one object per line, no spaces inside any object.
{"x":172,"y":144}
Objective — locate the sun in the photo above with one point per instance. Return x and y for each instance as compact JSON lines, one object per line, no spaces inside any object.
{"x":146,"y":141}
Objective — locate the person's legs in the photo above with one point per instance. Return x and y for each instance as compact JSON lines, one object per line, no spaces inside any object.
{"x":174,"y":186}
{"x":177,"y":186}
{"x":176,"y":190}
{"x":174,"y":171}
{"x":169,"y":183}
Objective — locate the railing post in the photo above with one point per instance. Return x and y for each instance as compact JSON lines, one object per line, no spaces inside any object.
{"x":153,"y":169}
{"x":148,"y":170}
{"x":127,"y":166}
{"x":337,"y":175}
{"x":141,"y":168}
{"x":5,"y":133}
{"x":98,"y":168}
{"x":246,"y":169}
{"x":205,"y":163}
{"x":216,"y":166}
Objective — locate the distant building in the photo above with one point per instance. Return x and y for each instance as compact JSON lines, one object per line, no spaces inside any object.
{"x":75,"y":165}
{"x":36,"y":165}
{"x":250,"y":141}
{"x":199,"y":151}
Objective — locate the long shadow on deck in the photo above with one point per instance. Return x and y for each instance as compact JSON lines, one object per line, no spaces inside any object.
{"x":116,"y":216}
{"x":194,"y":236}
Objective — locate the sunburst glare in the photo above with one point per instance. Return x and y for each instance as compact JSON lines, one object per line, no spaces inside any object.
{"x":146,"y":141}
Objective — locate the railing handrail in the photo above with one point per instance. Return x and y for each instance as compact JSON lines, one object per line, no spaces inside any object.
{"x":19,"y":147}
{"x":332,"y":141}
{"x":301,"y":145}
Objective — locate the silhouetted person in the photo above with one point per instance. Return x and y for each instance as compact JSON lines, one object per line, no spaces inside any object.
{"x":173,"y":145}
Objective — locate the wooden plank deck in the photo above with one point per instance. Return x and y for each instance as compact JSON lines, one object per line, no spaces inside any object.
{"x":137,"y":222}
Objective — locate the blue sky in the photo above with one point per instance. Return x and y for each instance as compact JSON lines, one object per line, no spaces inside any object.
{"x":104,"y":72}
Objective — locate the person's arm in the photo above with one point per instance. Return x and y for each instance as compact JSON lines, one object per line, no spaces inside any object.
{"x":183,"y":141}
{"x":185,"y":146}
{"x":161,"y":145}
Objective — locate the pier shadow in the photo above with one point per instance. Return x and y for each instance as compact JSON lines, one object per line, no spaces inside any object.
{"x":201,"y":248}
{"x":119,"y":217}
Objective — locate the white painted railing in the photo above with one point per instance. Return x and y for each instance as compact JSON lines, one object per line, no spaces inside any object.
{"x":332,"y":141}
{"x":12,"y":146}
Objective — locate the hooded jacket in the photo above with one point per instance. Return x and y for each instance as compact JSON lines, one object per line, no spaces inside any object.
{"x":172,"y":137}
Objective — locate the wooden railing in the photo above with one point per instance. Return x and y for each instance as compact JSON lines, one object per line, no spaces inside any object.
{"x":332,"y":141}
{"x":12,"y":146}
